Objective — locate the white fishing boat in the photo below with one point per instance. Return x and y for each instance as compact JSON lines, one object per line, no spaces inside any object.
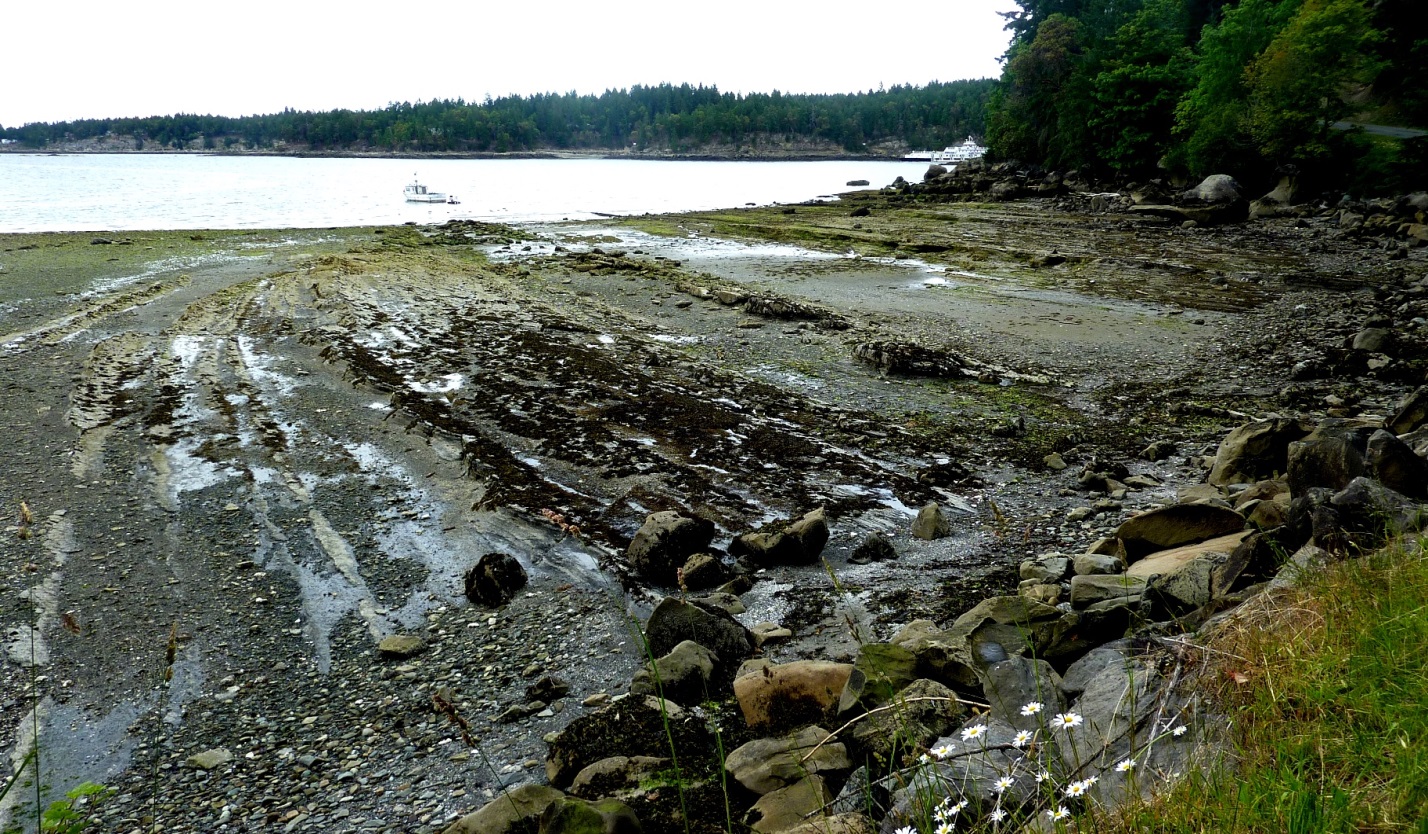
{"x":418,"y":193}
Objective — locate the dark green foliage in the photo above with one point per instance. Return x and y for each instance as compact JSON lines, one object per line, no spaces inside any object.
{"x":660,"y":117}
{"x":1193,"y":87}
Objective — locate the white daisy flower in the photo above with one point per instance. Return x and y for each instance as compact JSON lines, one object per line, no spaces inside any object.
{"x":1032,"y":708}
{"x":975,"y":731}
{"x":1067,"y":720}
{"x":1023,"y":738}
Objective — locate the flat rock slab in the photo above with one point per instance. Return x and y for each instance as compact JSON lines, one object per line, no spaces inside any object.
{"x":1176,"y":525}
{"x":1167,"y":562}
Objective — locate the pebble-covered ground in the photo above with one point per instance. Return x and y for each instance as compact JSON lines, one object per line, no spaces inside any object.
{"x":235,"y":462}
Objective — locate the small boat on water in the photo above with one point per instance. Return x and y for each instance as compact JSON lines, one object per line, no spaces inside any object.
{"x":418,"y":193}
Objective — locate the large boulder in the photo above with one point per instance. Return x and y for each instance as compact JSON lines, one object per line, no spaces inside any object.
{"x":1256,"y":451}
{"x":665,"y":542}
{"x":1175,"y":525}
{"x":674,"y":621}
{"x":1216,"y":189}
{"x":1327,"y":462}
{"x":790,"y":694}
{"x":799,"y":542}
{"x":494,"y":580}
{"x":881,"y":670}
{"x":1017,"y":681}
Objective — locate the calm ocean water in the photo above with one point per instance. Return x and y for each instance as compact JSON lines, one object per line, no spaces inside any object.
{"x":112,"y":191}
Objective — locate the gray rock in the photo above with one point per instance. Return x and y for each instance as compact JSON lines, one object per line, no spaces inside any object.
{"x":789,"y":807}
{"x":665,"y":542}
{"x":401,"y":646}
{"x":209,"y":759}
{"x":925,"y":710}
{"x":514,"y":810}
{"x":768,"y":764}
{"x":1216,"y":188}
{"x":880,"y":671}
{"x":1395,"y":465}
{"x":1017,"y":681}
{"x":1090,"y":564}
{"x":685,"y":675}
{"x":1173,"y":526}
{"x":576,"y":816}
{"x":800,"y":542}
{"x":931,"y":523}
{"x":1412,"y":413}
{"x":614,"y":775}
{"x":1256,"y":451}
{"x":1092,"y":588}
{"x":1049,"y":568}
{"x":1328,"y":462}
{"x":674,"y":621}
{"x":1374,"y":340}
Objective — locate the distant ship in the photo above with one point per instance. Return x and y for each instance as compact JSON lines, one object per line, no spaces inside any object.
{"x":950,"y":155}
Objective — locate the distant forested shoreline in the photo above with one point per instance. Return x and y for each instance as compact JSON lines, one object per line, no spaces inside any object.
{"x":659,"y":119}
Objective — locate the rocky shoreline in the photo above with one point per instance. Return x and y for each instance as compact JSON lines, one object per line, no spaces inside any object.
{"x":286,"y":454}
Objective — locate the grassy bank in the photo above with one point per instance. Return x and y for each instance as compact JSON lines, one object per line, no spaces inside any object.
{"x":1326,"y":690}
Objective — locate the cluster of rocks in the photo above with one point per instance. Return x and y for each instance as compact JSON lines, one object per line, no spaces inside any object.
{"x":1087,"y":635}
{"x":1402,"y":221}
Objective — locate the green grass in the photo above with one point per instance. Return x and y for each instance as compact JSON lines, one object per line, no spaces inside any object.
{"x":1326,"y":688}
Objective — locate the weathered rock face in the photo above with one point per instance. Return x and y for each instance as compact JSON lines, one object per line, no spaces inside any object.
{"x":910,"y":359}
{"x":789,"y":694}
{"x":1412,"y":413}
{"x":495,"y":580}
{"x":768,"y":764}
{"x":1175,"y":525}
{"x":665,"y":542}
{"x":798,"y":543}
{"x":1256,"y":451}
{"x":576,"y":816}
{"x":931,"y":523}
{"x":1329,"y":462}
{"x":788,"y":807}
{"x":1216,"y":188}
{"x":675,"y":621}
{"x":879,"y":673}
{"x":1013,"y":683}
{"x":685,"y":675}
{"x":615,"y":775}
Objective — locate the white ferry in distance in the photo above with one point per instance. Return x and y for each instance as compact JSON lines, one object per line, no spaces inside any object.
{"x":417,"y":193}
{"x":950,"y":155}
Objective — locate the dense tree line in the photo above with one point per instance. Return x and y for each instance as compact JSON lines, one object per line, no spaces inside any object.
{"x":664,"y":117}
{"x":1251,"y":87}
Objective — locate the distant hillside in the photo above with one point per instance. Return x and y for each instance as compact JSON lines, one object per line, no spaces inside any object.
{"x":661,"y":120}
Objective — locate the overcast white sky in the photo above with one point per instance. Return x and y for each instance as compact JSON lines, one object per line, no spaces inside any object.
{"x":88,"y":59}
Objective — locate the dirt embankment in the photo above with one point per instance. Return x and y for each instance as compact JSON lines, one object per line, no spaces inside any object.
{"x":281,"y":450}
